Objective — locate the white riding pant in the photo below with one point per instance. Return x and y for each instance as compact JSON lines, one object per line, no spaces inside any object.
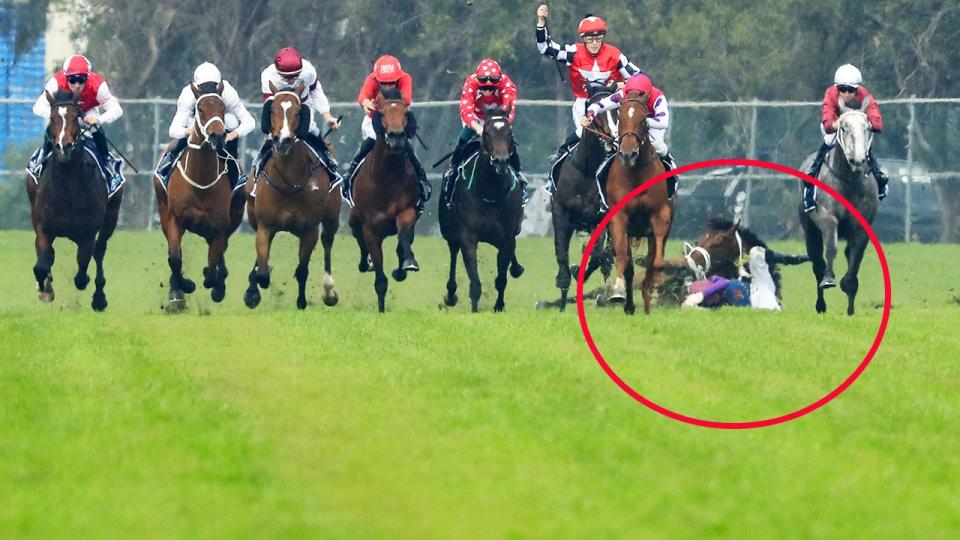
{"x":657,"y":137}
{"x":366,"y":128}
{"x":578,"y":110}
{"x":230,"y":122}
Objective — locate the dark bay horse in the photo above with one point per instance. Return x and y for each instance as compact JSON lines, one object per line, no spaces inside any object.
{"x":576,"y":204}
{"x":486,"y":206}
{"x":199,"y":199}
{"x":293,"y":193}
{"x":847,"y":174}
{"x":70,"y":200}
{"x":649,"y":214}
{"x":385,"y":194}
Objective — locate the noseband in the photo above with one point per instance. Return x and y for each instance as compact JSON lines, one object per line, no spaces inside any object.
{"x":202,"y":128}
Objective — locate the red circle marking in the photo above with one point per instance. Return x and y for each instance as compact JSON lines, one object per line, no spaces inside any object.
{"x":734,"y":162}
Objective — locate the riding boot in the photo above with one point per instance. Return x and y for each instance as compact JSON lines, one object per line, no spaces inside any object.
{"x":315,"y":142}
{"x":424,"y":189}
{"x":450,"y":175}
{"x":366,"y":145}
{"x":263,"y":156}
{"x":877,"y":174}
{"x":551,"y":183}
{"x":601,"y":177}
{"x":809,"y":190}
{"x":165,"y":167}
{"x":521,"y":179}
{"x":670,"y":165}
{"x":103,"y":155}
{"x":233,"y":166}
{"x":39,"y":158}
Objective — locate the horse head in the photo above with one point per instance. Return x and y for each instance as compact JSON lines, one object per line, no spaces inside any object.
{"x":392,"y":120}
{"x":209,"y":115}
{"x":633,"y":130}
{"x":497,"y":139}
{"x":854,"y":135}
{"x":285,"y":117}
{"x":64,"y":129}
{"x":605,"y":123}
{"x":727,"y":245}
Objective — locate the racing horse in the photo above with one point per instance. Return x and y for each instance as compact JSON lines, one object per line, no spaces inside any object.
{"x":197,"y":199}
{"x":69,"y":199}
{"x":846,"y":172}
{"x":293,"y":193}
{"x":385,"y":194}
{"x":487,"y":207}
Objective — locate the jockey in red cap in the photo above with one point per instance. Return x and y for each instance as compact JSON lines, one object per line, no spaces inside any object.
{"x":289,"y":68}
{"x":848,"y":86}
{"x":658,"y":120}
{"x":590,"y":61}
{"x":387,"y":75}
{"x":99,"y":106}
{"x":487,"y":88}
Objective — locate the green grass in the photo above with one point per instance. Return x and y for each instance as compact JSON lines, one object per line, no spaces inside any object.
{"x":429,"y":422}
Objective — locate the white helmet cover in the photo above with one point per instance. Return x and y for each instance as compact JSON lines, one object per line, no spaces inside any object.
{"x":206,"y":72}
{"x":849,"y":75}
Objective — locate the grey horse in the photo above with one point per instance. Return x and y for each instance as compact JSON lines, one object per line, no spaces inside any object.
{"x":847,"y":173}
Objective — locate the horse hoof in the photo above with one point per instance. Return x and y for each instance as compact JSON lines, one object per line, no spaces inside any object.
{"x":176,"y":304}
{"x":81,"y":281}
{"x":46,"y":297}
{"x":331,"y":299}
{"x":629,"y":309}
{"x":217,"y":294}
{"x":450,"y":300}
{"x":263,"y":281}
{"x":617,"y":298}
{"x":301,"y":303}
{"x":516,"y":270}
{"x":827,"y":283}
{"x":99,"y":302}
{"x":410,"y":265}
{"x":187,"y":285}
{"x":252,"y":298}
{"x":498,"y":309}
{"x":399,"y":274}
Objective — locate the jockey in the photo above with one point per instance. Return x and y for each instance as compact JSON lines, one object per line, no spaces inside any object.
{"x":759,"y":292}
{"x":287,"y":69}
{"x":590,"y":61}
{"x":237,"y":121}
{"x":386,"y":74}
{"x":847,"y":85}
{"x":99,"y":106}
{"x":658,"y":120}
{"x":486,"y":89}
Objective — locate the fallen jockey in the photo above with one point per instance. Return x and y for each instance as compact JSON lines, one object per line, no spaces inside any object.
{"x":759,"y":291}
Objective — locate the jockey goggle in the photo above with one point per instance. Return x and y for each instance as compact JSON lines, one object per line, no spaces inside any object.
{"x":593,"y":38}
{"x":492,"y":81}
{"x":846,"y":89}
{"x":77,"y":79}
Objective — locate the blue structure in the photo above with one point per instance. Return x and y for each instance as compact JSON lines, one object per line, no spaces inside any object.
{"x":23,"y":79}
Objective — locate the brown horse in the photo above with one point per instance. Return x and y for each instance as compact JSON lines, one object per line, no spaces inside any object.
{"x":199,"y":199}
{"x":293,"y":193}
{"x":70,"y":200}
{"x":649,"y":214}
{"x":385,"y":194}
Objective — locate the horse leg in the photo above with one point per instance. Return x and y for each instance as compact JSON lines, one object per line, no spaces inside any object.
{"x":621,"y":253}
{"x":505,"y":255}
{"x":365,"y":262}
{"x":42,"y":269}
{"x":562,"y":232}
{"x":330,"y":227}
{"x":374,"y":245}
{"x":516,"y":269}
{"x":213,"y":276}
{"x":84,"y":253}
{"x":814,"y":240}
{"x":630,"y":307}
{"x":451,"y":298}
{"x":110,"y":217}
{"x":308,"y":241}
{"x":470,"y":263}
{"x":406,"y":221}
{"x":262,"y":269}
{"x":856,"y":245}
{"x":830,"y":243}
{"x":179,"y":285}
{"x":656,"y":244}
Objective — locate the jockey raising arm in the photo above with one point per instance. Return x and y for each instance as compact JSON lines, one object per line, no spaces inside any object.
{"x":847,"y":86}
{"x":591,"y":60}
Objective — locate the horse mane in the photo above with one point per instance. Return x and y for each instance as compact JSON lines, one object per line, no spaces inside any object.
{"x":391,"y":93}
{"x":63,"y":96}
{"x":496,"y":111}
{"x":720,"y":223}
{"x":208,"y":88}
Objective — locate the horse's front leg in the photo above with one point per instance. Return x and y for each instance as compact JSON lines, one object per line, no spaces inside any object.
{"x":621,"y":253}
{"x":112,"y":214}
{"x":814,"y":241}
{"x":374,"y":246}
{"x":469,"y":244}
{"x":42,"y":270}
{"x":406,"y":221}
{"x":505,"y":255}
{"x":850,"y":283}
{"x":262,"y":269}
{"x":656,"y":246}
{"x":562,"y":232}
{"x":179,"y":285}
{"x":829,"y":230}
{"x":308,"y":241}
{"x":330,"y":227}
{"x":365,"y":264}
{"x":84,"y":253}
{"x":214,"y":275}
{"x":451,"y":297}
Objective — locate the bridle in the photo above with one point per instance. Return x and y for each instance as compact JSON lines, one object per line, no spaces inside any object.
{"x":82,"y":129}
{"x":285,"y":105}
{"x":641,"y":137}
{"x":202,"y":128}
{"x":183,"y":163}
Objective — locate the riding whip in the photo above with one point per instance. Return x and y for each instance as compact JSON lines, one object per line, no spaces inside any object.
{"x":339,"y":118}
{"x":117,"y":150}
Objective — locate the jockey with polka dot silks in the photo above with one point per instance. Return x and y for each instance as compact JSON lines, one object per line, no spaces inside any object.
{"x":658,"y":120}
{"x":488,"y":88}
{"x":237,"y":121}
{"x":590,"y":61}
{"x":287,"y":69}
{"x":386,"y":74}
{"x":848,"y":86}
{"x":99,"y":106}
